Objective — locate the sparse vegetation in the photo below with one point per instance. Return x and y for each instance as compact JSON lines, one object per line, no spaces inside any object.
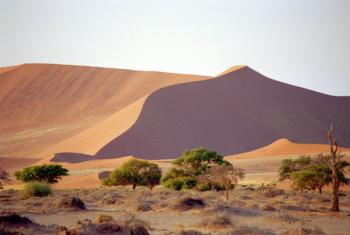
{"x":218,"y":221}
{"x":50,"y":173}
{"x":189,"y":167}
{"x":224,"y":175}
{"x":337,"y":165}
{"x":135,"y":172}
{"x":74,"y":203}
{"x":102,"y":218}
{"x":308,"y":173}
{"x":36,"y":189}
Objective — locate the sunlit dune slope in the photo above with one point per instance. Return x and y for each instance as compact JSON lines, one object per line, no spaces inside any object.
{"x":8,"y":68}
{"x":94,"y":138}
{"x":235,"y":113}
{"x":44,"y":104}
{"x":284,"y":147}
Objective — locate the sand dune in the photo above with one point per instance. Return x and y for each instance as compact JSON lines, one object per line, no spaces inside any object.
{"x":12,"y":164}
{"x":284,"y":147}
{"x":235,"y":113}
{"x":94,"y":138}
{"x":8,"y":68}
{"x":231,"y":69}
{"x":44,"y":104}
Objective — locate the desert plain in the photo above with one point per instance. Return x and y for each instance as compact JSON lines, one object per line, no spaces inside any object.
{"x":91,"y":120}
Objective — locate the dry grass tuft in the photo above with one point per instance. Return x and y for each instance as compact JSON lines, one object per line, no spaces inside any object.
{"x":102,"y":218}
{"x":218,"y":221}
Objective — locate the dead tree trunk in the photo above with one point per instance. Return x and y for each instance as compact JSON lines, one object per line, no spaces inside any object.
{"x":334,"y":148}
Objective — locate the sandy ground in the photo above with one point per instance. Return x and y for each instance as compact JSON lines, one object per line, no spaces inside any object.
{"x":249,"y":209}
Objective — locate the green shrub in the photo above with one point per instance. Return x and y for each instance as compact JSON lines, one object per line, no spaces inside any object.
{"x":175,"y":184}
{"x":179,"y":183}
{"x":37,"y":189}
{"x":189,"y":182}
{"x":50,"y":173}
{"x":203,"y":187}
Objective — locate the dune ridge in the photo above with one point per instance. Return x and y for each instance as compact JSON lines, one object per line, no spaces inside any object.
{"x":94,"y":138}
{"x":42,"y":105}
{"x":238,"y":112}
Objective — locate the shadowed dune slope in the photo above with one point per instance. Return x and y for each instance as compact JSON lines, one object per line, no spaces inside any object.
{"x":43,"y":104}
{"x":234,"y":113}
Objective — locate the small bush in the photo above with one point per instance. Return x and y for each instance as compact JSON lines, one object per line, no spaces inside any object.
{"x":218,"y":221}
{"x":203,"y":187}
{"x":71,"y":203}
{"x":189,"y":203}
{"x":37,"y":189}
{"x":175,"y":184}
{"x":143,"y":207}
{"x":102,"y":218}
{"x":179,"y":183}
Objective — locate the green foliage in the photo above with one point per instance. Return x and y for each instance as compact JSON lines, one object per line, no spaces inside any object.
{"x":179,"y":183}
{"x":189,"y":168}
{"x":51,"y":173}
{"x":312,"y":177}
{"x":288,"y":166}
{"x":176,"y":184}
{"x":135,"y":172}
{"x":197,"y":161}
{"x":307,"y":173}
{"x":173,"y":173}
{"x":203,"y":187}
{"x":36,"y":189}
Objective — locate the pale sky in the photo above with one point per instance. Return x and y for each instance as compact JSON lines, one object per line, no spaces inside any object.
{"x":301,"y":42}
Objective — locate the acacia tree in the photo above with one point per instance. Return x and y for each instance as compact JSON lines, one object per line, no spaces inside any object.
{"x":4,"y":177}
{"x":312,"y":177}
{"x":189,"y":166}
{"x":135,"y":172}
{"x":224,"y":174}
{"x":50,"y":173}
{"x":288,"y":166}
{"x":308,"y":173}
{"x":198,"y":160}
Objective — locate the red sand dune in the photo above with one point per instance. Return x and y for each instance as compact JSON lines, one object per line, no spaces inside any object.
{"x":44,"y":104}
{"x":6,"y":69}
{"x":284,"y":147}
{"x":237,"y":112}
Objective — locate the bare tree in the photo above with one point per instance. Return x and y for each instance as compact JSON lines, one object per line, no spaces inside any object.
{"x":225,"y":175}
{"x":4,"y":177}
{"x":336,"y":157}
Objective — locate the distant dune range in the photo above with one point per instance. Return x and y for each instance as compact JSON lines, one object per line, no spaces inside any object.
{"x":78,"y":113}
{"x":42,"y":105}
{"x":234,"y":113}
